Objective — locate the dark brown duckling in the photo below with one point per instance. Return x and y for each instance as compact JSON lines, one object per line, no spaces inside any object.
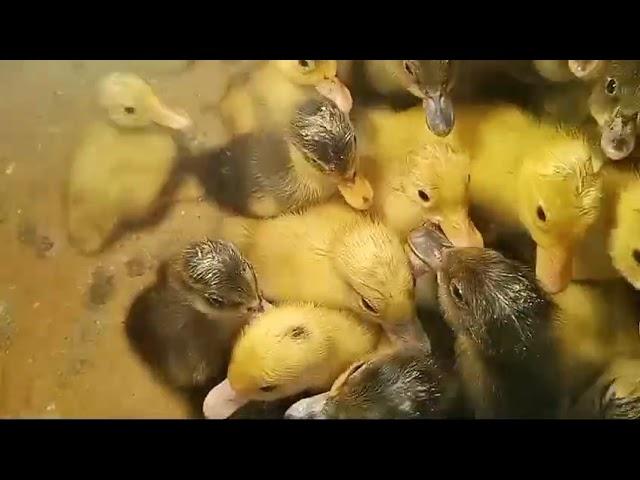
{"x":406,"y":383}
{"x":272,"y":171}
{"x":501,"y":319}
{"x":183,"y":326}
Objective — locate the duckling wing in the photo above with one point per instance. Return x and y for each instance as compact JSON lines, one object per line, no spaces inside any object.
{"x":175,"y":340}
{"x":254,"y":166}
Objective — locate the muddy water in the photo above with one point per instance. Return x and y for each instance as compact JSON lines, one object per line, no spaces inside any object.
{"x":63,"y":352}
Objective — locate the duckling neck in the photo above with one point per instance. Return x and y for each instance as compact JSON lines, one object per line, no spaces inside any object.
{"x":310,"y":182}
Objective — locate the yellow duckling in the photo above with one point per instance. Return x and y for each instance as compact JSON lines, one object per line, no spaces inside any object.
{"x":334,"y":256}
{"x":121,"y":166}
{"x":607,"y":251}
{"x":289,"y":350}
{"x":416,"y":176}
{"x":270,"y":92}
{"x":532,"y":175}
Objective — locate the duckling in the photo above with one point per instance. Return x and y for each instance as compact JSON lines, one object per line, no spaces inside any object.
{"x":266,"y":173}
{"x":519,"y":351}
{"x":615,"y":105}
{"x":607,"y":251}
{"x":122,"y":166}
{"x":404,"y":383}
{"x":417,"y":177}
{"x":269,"y":93}
{"x":404,"y":83}
{"x":334,"y":256}
{"x":183,"y":326}
{"x":288,"y":350}
{"x":532,"y":176}
{"x":615,"y":395}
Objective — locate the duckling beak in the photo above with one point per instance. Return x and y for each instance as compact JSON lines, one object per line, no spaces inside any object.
{"x":163,"y":115}
{"x":222,"y":401}
{"x":418,"y":267}
{"x":461,"y":231}
{"x":428,"y":244}
{"x":439,"y":110}
{"x":554,"y":267}
{"x":410,"y":332}
{"x":335,"y":90}
{"x":307,"y":408}
{"x":357,"y":193}
{"x":619,"y":137}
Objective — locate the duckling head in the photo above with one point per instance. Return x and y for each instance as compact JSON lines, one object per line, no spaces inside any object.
{"x":494,"y":301}
{"x":281,"y":353}
{"x":217,"y":278}
{"x":131,"y":103}
{"x":624,"y":247}
{"x":325,"y":136}
{"x":615,"y":105}
{"x":559,"y":198}
{"x":402,"y":383}
{"x":432,"y":81}
{"x":321,"y":74}
{"x":433,"y":186}
{"x":373,"y":263}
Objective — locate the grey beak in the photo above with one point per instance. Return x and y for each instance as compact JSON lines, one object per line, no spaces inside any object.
{"x":439,"y":111}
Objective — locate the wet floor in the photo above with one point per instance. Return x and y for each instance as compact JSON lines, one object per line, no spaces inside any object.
{"x":63,"y":352}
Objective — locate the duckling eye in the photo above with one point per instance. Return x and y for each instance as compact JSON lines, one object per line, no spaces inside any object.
{"x":541,"y":215}
{"x":636,"y":255}
{"x":129,"y":110}
{"x":268,"y":388}
{"x":213,"y":301}
{"x":367,"y":306}
{"x":456,"y":291}
{"x":424,"y":196}
{"x":408,"y":67}
{"x":611,"y":86}
{"x":306,"y":64}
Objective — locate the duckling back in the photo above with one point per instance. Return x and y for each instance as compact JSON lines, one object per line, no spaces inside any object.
{"x":116,"y":176}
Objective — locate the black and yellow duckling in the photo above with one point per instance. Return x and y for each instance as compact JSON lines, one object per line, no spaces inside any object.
{"x":404,"y":383}
{"x":404,"y":83}
{"x":268,"y":93}
{"x":288,"y":350}
{"x":183,"y":326}
{"x":122,"y":166}
{"x":277,"y":170}
{"x":615,"y":105}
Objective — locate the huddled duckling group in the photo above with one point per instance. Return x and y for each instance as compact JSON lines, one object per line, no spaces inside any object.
{"x":361,"y":204}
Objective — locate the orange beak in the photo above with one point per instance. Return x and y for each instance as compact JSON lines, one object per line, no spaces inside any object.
{"x":357,"y":193}
{"x":554,"y":267}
